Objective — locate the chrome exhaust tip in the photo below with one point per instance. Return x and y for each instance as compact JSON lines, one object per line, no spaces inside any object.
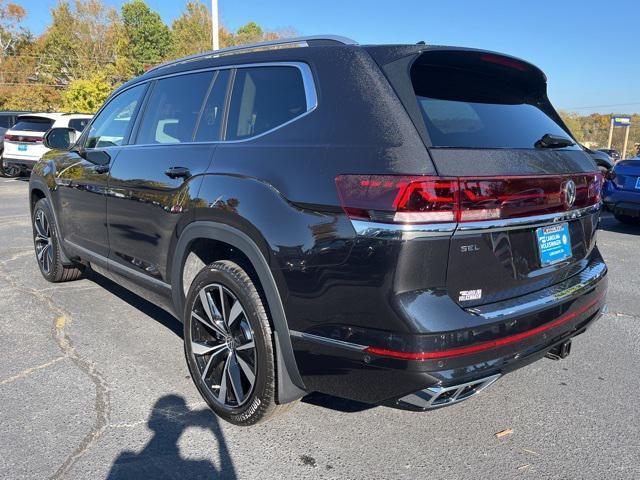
{"x":435,"y":397}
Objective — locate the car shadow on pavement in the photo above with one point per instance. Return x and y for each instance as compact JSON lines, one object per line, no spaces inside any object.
{"x":161,"y":458}
{"x":610,"y":224}
{"x":145,"y":306}
{"x":335,"y":403}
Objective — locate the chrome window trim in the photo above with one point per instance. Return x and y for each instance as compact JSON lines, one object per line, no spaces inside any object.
{"x":570,"y":288}
{"x":392,"y":231}
{"x":327,"y":341}
{"x":308,"y":83}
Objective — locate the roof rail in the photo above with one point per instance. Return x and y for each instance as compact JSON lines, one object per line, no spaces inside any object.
{"x":292,"y":42}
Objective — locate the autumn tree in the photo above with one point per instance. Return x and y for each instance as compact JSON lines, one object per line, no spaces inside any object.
{"x":80,"y":42}
{"x":149,"y":39}
{"x":192,"y":30}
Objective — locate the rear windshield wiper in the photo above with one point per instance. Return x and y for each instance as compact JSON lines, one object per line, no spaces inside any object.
{"x":553,"y":141}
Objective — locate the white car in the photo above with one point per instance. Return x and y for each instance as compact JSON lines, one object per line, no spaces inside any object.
{"x":23,"y":145}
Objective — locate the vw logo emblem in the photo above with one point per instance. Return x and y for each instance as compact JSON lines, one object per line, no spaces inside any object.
{"x":569,"y":193}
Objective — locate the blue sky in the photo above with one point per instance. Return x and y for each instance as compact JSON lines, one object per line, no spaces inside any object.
{"x":590,"y":49}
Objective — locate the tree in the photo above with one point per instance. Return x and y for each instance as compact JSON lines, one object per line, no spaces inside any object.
{"x":249,"y":33}
{"x":11,"y":15}
{"x":11,"y":33}
{"x":192,"y":30}
{"x":80,"y":41}
{"x":86,"y":96}
{"x":149,"y":39}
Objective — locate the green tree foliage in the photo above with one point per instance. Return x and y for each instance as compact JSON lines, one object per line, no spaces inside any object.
{"x":86,"y":96}
{"x":149,"y":39}
{"x":89,"y":48}
{"x":593,"y":130}
{"x":192,"y":30}
{"x":249,"y":33}
{"x":79,"y":43}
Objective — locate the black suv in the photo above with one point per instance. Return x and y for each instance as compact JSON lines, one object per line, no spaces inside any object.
{"x":396,"y":224}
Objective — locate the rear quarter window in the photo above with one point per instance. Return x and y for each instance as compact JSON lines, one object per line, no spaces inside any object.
{"x":264,"y":98}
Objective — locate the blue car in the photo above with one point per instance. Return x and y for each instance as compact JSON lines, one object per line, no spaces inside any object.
{"x":622,"y":191}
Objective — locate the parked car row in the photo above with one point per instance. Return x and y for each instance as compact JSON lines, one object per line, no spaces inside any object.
{"x":23,"y":134}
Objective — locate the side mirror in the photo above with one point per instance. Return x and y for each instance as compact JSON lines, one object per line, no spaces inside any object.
{"x":60,"y":138}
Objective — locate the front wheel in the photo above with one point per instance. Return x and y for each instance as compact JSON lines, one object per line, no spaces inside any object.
{"x":228,"y":347}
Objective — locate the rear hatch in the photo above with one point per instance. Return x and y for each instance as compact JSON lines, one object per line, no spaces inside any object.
{"x":24,"y":139}
{"x":527,"y":196}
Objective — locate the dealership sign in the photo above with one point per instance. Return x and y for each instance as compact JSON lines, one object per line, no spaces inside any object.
{"x":621,"y":121}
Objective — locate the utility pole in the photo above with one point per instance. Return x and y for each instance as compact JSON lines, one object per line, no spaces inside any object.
{"x":610,"y":133}
{"x":626,"y":142}
{"x":214,"y":25}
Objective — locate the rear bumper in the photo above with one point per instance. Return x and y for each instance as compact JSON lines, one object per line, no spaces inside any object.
{"x":22,"y":164}
{"x":501,"y":337}
{"x":622,"y":202}
{"x":629,"y":209}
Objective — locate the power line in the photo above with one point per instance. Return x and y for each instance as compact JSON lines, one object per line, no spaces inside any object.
{"x":604,"y":106}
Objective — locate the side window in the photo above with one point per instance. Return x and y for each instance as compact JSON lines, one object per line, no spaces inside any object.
{"x":112,"y":124}
{"x":264,"y":98}
{"x":78,"y":123}
{"x":211,"y":120}
{"x":173,"y":109}
{"x":6,"y":121}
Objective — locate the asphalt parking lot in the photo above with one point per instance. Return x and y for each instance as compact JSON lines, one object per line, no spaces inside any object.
{"x":93,"y":384}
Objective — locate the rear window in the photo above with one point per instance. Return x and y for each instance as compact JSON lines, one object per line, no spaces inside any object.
{"x":464,"y":108}
{"x":33,"y":124}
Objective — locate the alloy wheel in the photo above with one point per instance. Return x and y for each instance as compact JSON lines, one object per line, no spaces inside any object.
{"x":223,"y":346}
{"x":43,"y":241}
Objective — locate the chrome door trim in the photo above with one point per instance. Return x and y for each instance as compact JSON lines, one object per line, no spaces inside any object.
{"x":111,"y":265}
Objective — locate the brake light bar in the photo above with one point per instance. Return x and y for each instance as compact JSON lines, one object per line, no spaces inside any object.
{"x":425,"y":199}
{"x":23,"y":138}
{"x":481,"y":347}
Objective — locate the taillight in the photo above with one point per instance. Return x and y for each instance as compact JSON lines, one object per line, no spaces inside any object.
{"x":399,"y":199}
{"x":23,"y":138}
{"x":421,"y":199}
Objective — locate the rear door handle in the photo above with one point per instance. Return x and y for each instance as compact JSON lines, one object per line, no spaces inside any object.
{"x":177,"y":172}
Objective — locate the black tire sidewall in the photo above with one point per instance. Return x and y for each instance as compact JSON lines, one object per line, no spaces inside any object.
{"x":56,"y":264}
{"x":262,"y":396}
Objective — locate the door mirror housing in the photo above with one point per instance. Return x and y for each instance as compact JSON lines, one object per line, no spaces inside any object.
{"x":60,"y":138}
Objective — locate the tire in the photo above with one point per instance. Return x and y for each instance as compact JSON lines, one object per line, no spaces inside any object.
{"x":626,"y":219}
{"x":228,"y":346}
{"x":47,"y":246}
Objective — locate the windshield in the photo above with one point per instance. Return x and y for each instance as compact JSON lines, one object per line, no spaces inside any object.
{"x":469,"y":109}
